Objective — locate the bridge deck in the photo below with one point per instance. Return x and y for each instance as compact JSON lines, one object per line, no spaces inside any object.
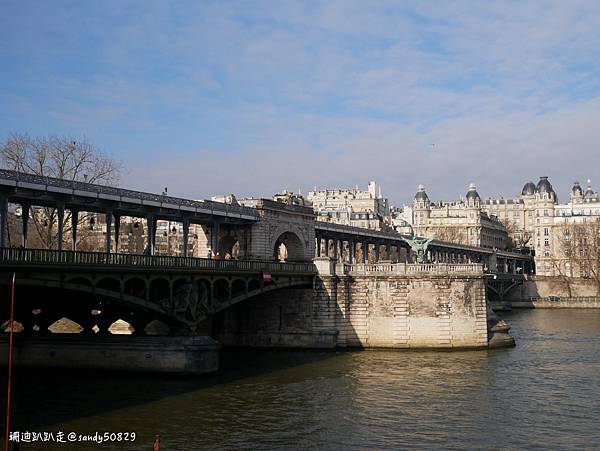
{"x":19,"y":259}
{"x":352,"y":231}
{"x":47,"y":191}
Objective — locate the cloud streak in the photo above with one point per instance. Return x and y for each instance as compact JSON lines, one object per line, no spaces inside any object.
{"x":252,"y":97}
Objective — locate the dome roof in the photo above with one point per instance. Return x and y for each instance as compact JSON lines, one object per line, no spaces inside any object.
{"x":576,"y":190}
{"x":528,"y":189}
{"x":472,"y":193}
{"x":421,"y":194}
{"x":544,"y":186}
{"x":589,"y":192}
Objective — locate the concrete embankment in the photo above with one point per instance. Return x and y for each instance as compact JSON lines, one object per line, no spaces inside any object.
{"x":182,"y":355}
{"x":562,"y":303}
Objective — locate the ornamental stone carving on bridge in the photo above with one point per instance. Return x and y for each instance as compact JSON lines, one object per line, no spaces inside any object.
{"x":419,"y":247}
{"x":190,"y":304}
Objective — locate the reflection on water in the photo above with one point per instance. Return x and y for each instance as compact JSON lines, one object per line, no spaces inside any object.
{"x":545,"y":393}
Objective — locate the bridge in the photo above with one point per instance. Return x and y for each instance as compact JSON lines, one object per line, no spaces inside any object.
{"x":258,"y":226}
{"x":187,"y":293}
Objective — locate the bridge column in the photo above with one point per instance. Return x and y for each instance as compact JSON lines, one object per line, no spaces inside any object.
{"x":151,"y":234}
{"x":3,"y":219}
{"x":376,"y":252}
{"x":318,"y":245}
{"x":216,"y":233}
{"x":74,"y":223}
{"x":351,"y":251}
{"x":365,"y":251}
{"x":109,"y":218}
{"x":186,"y":236}
{"x":335,"y":249}
{"x":117,"y":232}
{"x":61,"y":218}
{"x":24,"y":223}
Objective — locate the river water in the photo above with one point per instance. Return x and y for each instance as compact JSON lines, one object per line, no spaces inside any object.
{"x":543,"y":394}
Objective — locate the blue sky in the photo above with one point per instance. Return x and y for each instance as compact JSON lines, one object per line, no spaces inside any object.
{"x":254,"y":96}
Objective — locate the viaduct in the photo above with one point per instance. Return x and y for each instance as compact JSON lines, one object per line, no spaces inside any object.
{"x":338,"y":286}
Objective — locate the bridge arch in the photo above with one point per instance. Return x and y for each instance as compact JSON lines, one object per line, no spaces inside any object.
{"x":238,"y":287}
{"x":160,"y":290}
{"x":221,"y":289}
{"x":80,"y":280}
{"x":135,"y":286}
{"x":289,"y":247}
{"x":229,"y":247}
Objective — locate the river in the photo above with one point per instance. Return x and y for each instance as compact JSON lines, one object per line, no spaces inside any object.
{"x":543,"y":394}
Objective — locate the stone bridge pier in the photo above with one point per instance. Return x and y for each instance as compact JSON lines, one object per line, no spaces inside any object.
{"x":371,"y":306}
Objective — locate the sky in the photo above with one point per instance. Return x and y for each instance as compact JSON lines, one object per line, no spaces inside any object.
{"x":251,"y":97}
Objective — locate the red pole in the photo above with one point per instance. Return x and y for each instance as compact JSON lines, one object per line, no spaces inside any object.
{"x":10,"y":359}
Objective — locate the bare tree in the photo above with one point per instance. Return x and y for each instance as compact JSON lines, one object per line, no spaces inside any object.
{"x":449,"y":234}
{"x":580,"y":248}
{"x":61,"y":157}
{"x":516,"y":236}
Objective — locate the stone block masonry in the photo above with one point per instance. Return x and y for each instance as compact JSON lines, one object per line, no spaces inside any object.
{"x":412,"y":311}
{"x":368,"y":306}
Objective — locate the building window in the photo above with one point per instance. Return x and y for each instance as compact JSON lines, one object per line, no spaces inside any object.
{"x":546,"y":231}
{"x":546,"y":242}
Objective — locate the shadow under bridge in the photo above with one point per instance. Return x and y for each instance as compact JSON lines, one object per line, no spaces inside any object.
{"x":96,"y":289}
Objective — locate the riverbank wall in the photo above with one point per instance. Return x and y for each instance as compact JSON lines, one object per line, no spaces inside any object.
{"x":558,"y":303}
{"x":180,"y":355}
{"x":552,"y":292}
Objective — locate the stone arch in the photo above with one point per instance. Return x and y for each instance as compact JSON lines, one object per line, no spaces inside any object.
{"x":289,"y":247}
{"x":65,"y":326}
{"x":157,"y":327}
{"x":17,"y":326}
{"x":121,"y":327}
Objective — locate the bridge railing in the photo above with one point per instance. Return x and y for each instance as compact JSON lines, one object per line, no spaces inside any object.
{"x":43,"y":257}
{"x":408,"y":268}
